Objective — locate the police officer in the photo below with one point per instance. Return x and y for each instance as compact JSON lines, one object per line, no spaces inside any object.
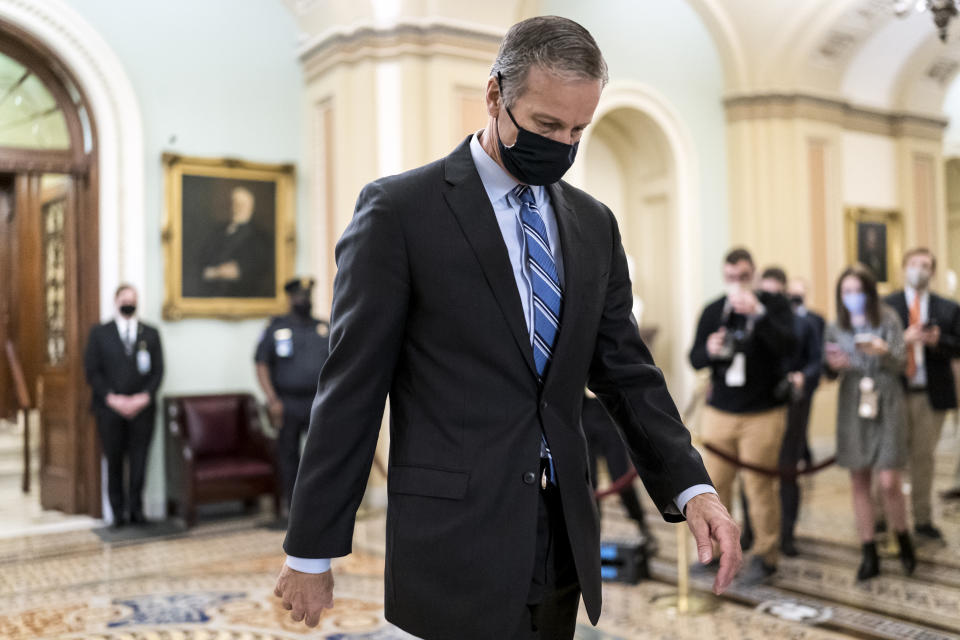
{"x":289,"y":357}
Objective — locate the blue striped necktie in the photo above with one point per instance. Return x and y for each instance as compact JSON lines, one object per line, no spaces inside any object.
{"x":547,"y":294}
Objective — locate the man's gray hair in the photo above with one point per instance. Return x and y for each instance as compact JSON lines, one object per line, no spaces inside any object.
{"x":556,"y":44}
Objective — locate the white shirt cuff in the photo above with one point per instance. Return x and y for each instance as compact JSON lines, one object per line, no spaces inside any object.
{"x":685,"y":497}
{"x":309,"y":565}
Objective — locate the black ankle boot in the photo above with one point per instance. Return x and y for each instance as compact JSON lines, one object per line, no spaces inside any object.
{"x":870,"y":565}
{"x":907,"y":557}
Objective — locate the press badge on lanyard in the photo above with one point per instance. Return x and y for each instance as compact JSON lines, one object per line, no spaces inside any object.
{"x":869,"y":399}
{"x":143,"y":359}
{"x":284,"y":342}
{"x":737,"y":371}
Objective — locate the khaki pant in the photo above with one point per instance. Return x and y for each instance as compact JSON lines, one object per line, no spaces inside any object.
{"x":754,"y":438}
{"x":924,"y":425}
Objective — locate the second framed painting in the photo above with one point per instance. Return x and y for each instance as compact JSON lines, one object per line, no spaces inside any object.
{"x":229,"y":237}
{"x":875,"y":239}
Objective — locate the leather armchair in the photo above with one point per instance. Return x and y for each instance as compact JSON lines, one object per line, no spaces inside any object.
{"x":216,"y":451}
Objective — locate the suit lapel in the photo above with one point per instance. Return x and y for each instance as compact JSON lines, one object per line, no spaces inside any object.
{"x":899,"y":303}
{"x":571,"y":244}
{"x":470,"y":205}
{"x":113,"y":335}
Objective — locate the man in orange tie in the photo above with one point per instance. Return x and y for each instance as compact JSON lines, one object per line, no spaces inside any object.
{"x":933,"y":338}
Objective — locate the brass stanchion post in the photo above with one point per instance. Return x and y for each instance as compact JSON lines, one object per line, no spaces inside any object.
{"x":682,"y":602}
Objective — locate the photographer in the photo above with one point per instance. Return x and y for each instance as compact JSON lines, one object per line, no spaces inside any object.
{"x":743,"y":338}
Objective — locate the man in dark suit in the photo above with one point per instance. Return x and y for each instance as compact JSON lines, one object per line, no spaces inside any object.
{"x":124,"y":367}
{"x":932,"y":336}
{"x":797,"y":293}
{"x":483,"y":294}
{"x":237,"y":257}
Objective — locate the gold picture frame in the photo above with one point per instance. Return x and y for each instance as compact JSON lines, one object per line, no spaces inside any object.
{"x":229,"y":237}
{"x":874,"y":238}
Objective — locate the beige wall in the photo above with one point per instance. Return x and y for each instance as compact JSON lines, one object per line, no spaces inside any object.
{"x":794,"y":170}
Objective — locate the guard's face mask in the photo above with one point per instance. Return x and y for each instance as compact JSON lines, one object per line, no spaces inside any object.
{"x":128,"y":310}
{"x":302,"y":308}
{"x":534,"y":159}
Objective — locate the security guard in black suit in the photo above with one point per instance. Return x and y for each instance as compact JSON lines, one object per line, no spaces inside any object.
{"x":289,"y":357}
{"x":123,"y":362}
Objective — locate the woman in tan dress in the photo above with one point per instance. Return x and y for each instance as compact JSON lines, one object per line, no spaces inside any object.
{"x":865,"y":350}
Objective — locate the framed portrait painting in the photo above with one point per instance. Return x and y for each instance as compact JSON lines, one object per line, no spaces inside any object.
{"x":229,"y":237}
{"x":875,"y":239}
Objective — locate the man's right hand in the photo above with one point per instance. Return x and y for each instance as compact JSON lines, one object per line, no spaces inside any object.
{"x":305,"y":595}
{"x":715,"y":342}
{"x":275,"y":409}
{"x":913,"y":334}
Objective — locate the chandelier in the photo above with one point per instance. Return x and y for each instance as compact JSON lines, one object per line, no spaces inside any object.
{"x":943,"y":12}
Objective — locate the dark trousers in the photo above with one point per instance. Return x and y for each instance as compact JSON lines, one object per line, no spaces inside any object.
{"x":603,"y":440}
{"x":792,"y":451}
{"x":296,"y":420}
{"x":554,"y":597}
{"x":125,"y":439}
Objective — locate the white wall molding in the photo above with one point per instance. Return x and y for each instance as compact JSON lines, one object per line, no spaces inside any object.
{"x":116,"y":112}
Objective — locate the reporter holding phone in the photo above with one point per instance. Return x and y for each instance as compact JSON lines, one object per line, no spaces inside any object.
{"x":864,"y":348}
{"x":933,"y":339}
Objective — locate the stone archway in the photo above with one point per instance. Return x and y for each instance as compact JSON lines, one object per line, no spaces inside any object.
{"x":113,"y":103}
{"x":108,"y":198}
{"x":639,"y":159}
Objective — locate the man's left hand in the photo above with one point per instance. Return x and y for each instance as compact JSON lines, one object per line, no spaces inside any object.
{"x":710,"y":523}
{"x":931,"y":336}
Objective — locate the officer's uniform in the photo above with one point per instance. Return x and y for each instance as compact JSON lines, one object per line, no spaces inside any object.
{"x":294,"y":348}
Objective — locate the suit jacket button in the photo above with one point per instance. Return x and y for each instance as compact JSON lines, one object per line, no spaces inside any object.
{"x":543,"y":405}
{"x":529,"y":477}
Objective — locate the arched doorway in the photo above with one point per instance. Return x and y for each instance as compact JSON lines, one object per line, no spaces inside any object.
{"x":638,"y":160}
{"x":49,"y":261}
{"x":630,"y":169}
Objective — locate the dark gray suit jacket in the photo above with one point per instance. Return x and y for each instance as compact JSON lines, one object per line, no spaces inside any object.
{"x":426,"y":309}
{"x":944,"y":313}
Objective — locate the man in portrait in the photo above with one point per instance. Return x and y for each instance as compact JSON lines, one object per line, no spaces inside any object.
{"x":232,"y":263}
{"x":872,"y":248}
{"x":234,"y":258}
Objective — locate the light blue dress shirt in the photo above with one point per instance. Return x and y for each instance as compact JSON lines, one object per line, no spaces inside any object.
{"x":499,"y":186}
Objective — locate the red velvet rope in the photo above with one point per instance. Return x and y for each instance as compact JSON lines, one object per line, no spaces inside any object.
{"x":621,"y":483}
{"x":626,"y":479}
{"x":783,"y":473}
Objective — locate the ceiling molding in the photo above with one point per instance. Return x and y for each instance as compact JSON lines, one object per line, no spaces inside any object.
{"x":726,"y":39}
{"x":408,"y":37}
{"x":837,"y":112}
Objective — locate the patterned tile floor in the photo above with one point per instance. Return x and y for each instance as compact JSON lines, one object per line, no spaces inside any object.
{"x":217,"y":582}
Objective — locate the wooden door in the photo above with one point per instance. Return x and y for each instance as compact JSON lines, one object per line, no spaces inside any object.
{"x":8,"y":400}
{"x":49,"y":340}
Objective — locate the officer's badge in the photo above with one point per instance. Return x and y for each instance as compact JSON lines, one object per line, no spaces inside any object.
{"x":323,"y":330}
{"x":284,"y":341}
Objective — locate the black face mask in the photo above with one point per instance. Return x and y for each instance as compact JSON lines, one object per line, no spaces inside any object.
{"x":535,"y":159}
{"x":796,"y":301}
{"x":302,"y":308}
{"x":128,"y":310}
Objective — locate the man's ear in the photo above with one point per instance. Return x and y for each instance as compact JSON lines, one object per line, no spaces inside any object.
{"x":492,"y":97}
